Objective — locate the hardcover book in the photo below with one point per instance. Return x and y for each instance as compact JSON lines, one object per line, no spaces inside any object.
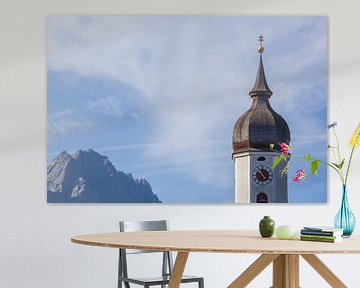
{"x":323,"y":228}
{"x":321,"y":232}
{"x":326,"y":240}
{"x":319,"y":237}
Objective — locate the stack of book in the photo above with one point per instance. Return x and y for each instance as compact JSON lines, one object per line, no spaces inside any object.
{"x":321,"y":234}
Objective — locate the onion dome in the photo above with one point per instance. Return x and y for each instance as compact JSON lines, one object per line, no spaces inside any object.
{"x":260,"y":126}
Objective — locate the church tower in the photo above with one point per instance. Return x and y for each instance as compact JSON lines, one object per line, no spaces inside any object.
{"x":254,"y":131}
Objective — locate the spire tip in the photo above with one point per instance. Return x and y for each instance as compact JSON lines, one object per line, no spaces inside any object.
{"x":261,"y":40}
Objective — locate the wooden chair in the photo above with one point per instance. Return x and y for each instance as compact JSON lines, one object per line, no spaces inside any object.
{"x":167,"y":262}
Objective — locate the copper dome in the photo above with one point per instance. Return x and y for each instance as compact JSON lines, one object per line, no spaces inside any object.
{"x":260,"y":126}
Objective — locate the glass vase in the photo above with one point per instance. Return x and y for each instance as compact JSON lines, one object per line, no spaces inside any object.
{"x":345,"y":219}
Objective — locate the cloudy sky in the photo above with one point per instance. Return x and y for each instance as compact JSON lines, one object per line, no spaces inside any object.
{"x":159,"y":95}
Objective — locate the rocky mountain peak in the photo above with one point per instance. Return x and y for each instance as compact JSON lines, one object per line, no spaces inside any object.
{"x":87,"y":176}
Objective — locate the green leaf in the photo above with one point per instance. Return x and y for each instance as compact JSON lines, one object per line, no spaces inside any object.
{"x":339,"y":166}
{"x":271,"y":146}
{"x":342,"y":163}
{"x":307,"y":157}
{"x":336,"y":165}
{"x":277,"y":160}
{"x":314,"y":167}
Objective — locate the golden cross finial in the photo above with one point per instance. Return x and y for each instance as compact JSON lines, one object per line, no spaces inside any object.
{"x":261,"y":40}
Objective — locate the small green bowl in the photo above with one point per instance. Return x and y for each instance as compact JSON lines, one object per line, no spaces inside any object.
{"x":285,"y":232}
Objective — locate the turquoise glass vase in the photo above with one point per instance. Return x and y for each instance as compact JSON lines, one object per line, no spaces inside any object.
{"x":345,"y":219}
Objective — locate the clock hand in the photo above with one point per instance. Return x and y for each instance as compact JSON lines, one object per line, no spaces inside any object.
{"x":263,"y":176}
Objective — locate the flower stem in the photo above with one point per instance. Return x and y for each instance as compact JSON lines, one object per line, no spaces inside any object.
{"x":337,"y":144}
{"x":339,"y":159}
{"x":328,"y":164}
{"x":334,"y":154}
{"x":348,"y":167}
{"x":336,"y":169}
{"x":351,"y":155}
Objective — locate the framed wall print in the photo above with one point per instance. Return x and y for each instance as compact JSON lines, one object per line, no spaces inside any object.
{"x":185,"y":109}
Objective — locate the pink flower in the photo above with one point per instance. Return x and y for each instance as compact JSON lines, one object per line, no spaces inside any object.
{"x":300,"y":174}
{"x":284,"y":148}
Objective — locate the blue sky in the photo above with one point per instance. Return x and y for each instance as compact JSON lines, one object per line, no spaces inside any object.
{"x":159,"y":95}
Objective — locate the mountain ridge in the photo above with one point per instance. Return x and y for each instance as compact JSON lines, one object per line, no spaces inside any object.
{"x":89,"y":177}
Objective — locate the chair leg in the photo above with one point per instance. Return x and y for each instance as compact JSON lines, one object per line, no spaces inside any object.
{"x":201,"y":283}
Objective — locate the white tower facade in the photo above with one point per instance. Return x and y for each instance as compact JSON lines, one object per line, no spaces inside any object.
{"x":255,"y":179}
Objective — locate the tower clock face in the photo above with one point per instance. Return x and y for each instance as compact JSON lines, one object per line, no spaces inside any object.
{"x":262,"y":175}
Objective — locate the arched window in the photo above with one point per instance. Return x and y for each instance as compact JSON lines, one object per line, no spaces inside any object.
{"x":261,"y":198}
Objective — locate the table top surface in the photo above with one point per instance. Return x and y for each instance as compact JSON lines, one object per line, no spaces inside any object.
{"x":217,"y":241}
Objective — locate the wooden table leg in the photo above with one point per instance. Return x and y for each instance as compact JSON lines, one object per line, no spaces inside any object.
{"x":293,"y":262}
{"x":286,"y":271}
{"x":178,"y":270}
{"x":324,"y":271}
{"x":253,"y":270}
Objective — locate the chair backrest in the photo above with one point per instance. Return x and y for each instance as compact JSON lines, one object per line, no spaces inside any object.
{"x":134,"y":226}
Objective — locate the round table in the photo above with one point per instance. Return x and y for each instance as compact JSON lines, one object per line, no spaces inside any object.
{"x":284,"y":254}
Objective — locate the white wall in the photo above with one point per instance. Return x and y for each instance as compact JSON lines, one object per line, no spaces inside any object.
{"x":35,"y":248}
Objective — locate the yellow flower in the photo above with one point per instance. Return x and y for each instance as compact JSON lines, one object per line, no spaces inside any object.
{"x":355,"y":137}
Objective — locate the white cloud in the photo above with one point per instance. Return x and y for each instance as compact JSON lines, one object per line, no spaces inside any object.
{"x":61,"y":114}
{"x":68,"y":122}
{"x":195,"y":72}
{"x":65,"y":127}
{"x":110,"y":106}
